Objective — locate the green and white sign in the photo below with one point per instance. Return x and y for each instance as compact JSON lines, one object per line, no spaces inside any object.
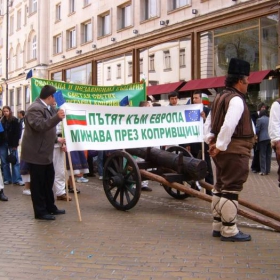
{"x":88,"y":127}
{"x":93,"y":95}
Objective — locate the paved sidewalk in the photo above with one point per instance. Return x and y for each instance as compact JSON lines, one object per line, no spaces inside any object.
{"x":160,"y":238}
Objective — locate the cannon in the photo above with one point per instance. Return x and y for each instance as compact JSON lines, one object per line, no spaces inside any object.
{"x":122,"y":178}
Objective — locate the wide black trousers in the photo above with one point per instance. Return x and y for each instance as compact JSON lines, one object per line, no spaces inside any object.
{"x":41,"y":183}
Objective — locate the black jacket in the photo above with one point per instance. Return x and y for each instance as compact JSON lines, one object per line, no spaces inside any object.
{"x":11,"y":133}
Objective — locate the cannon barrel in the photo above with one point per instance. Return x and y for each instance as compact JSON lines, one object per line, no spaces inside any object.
{"x":196,"y":169}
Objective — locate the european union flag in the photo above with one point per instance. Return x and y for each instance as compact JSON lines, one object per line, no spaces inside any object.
{"x":59,"y":98}
{"x":124,"y":101}
{"x":29,"y":74}
{"x":1,"y":127}
{"x":192,"y":115}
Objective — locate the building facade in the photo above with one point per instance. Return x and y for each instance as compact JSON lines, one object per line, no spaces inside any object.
{"x":168,"y":42}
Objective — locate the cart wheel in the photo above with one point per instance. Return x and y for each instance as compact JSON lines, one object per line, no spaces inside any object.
{"x":122,"y":180}
{"x":173,"y":192}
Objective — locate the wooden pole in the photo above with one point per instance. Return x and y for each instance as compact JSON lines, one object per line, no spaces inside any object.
{"x":74,"y":186}
{"x":208,"y":198}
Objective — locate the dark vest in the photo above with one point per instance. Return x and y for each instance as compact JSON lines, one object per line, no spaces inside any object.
{"x":244,"y":128}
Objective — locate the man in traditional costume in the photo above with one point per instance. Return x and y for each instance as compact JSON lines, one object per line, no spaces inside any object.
{"x":229,"y":132}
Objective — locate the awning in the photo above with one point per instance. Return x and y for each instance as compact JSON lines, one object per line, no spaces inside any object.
{"x":214,"y":82}
{"x":258,"y":77}
{"x":165,"y":88}
{"x":217,"y":82}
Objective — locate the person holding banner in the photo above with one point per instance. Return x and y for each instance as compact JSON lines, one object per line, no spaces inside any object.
{"x":229,"y":131}
{"x":37,"y":150}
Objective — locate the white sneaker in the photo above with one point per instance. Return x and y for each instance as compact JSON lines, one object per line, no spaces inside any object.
{"x":82,"y":180}
{"x":26,"y":192}
{"x":100,"y":177}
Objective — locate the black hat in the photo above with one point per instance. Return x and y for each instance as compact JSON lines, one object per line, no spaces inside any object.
{"x":46,"y":91}
{"x":239,"y":67}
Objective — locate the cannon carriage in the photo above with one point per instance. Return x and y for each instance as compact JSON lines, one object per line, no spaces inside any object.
{"x":122,"y":178}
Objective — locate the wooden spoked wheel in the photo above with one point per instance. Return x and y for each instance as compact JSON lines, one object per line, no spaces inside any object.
{"x":122,"y":180}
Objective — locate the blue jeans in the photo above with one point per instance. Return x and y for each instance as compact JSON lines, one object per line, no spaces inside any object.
{"x":15,"y":177}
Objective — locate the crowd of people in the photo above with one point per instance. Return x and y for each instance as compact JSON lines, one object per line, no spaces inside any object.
{"x":231,"y":132}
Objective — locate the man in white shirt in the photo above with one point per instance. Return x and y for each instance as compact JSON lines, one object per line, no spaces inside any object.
{"x":229,"y":131}
{"x":274,"y":132}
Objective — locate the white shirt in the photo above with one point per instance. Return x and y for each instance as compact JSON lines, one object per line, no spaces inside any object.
{"x":232,"y":117}
{"x":274,"y":122}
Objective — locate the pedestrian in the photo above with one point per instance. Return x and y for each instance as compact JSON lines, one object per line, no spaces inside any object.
{"x":38,"y":142}
{"x":229,"y":131}
{"x":9,"y":142}
{"x":264,"y":145}
{"x":173,"y":98}
{"x":274,"y":132}
{"x":3,"y":197}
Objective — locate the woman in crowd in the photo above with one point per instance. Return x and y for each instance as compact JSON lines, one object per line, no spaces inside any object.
{"x":9,"y":141}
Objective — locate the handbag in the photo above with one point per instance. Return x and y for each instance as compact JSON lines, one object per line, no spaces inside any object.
{"x":11,"y":158}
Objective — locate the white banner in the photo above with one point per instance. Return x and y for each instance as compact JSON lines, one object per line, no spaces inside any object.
{"x":89,"y":127}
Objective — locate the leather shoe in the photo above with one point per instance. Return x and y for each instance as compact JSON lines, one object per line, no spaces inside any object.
{"x":239,"y":237}
{"x":46,"y":217}
{"x":63,"y":197}
{"x":3,"y":197}
{"x":146,"y":189}
{"x":216,"y":233}
{"x":58,"y":212}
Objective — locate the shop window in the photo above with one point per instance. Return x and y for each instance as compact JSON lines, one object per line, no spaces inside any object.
{"x":119,"y":71}
{"x":130,"y":68}
{"x":80,"y":75}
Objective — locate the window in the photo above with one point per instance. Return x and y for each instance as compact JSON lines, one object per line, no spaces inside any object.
{"x":34,"y":48}
{"x":104,"y":22}
{"x":80,"y":75}
{"x":71,"y":6}
{"x":86,"y":32}
{"x":58,"y":12}
{"x":25,"y":14}
{"x":58,"y":44}
{"x":108,"y":73}
{"x":175,"y":4}
{"x":167,"y":62}
{"x":141,"y":65}
{"x":33,"y":6}
{"x":119,"y":70}
{"x":18,"y":19}
{"x":152,"y":62}
{"x":71,"y":38}
{"x":182,"y":59}
{"x":11,"y":91}
{"x":86,"y":2}
{"x":11,"y":25}
{"x":18,"y":58}
{"x":129,"y":68}
{"x":19,"y":101}
{"x":124,"y":15}
{"x":27,"y":94}
{"x":149,"y":9}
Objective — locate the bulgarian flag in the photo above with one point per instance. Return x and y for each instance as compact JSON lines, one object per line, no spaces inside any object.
{"x":76,"y":117}
{"x":205,"y":99}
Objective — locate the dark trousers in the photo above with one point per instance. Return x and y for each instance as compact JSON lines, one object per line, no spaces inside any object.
{"x":41,"y":183}
{"x":232,"y":171}
{"x":255,"y":166}
{"x":265,"y":151}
